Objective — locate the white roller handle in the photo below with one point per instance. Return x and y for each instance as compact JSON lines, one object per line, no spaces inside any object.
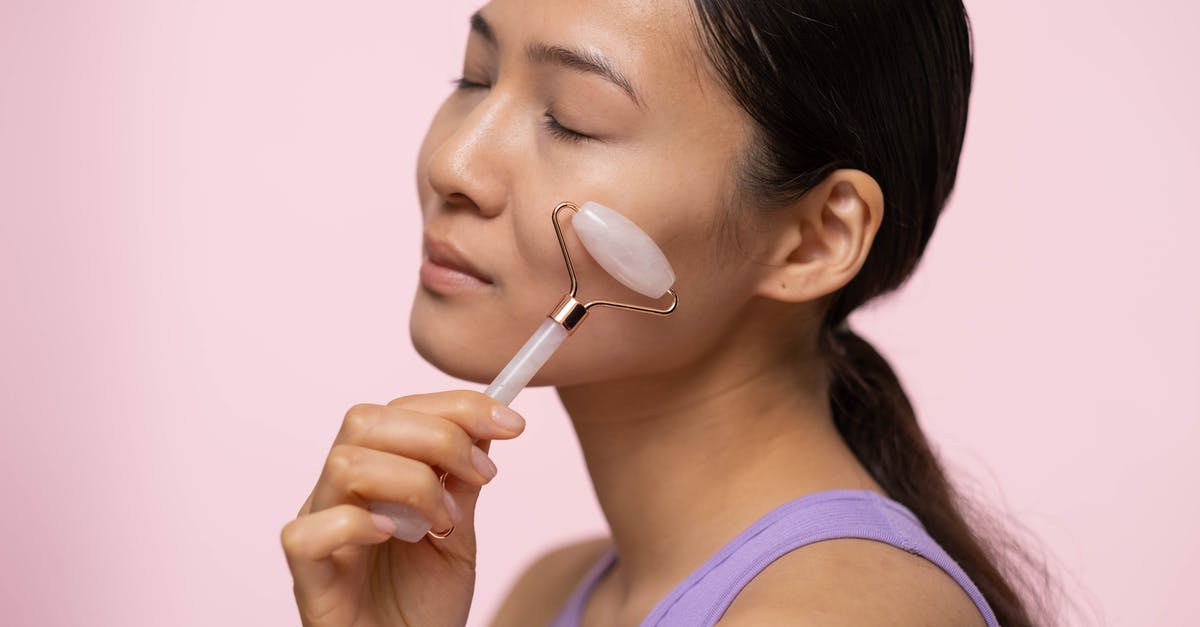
{"x":411,"y":526}
{"x":532,"y":356}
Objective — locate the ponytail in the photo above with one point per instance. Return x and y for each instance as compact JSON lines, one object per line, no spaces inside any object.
{"x":880,"y":87}
{"x":873,"y":414}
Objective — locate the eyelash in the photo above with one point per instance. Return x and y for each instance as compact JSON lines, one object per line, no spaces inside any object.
{"x":551,"y":124}
{"x":564,"y":133}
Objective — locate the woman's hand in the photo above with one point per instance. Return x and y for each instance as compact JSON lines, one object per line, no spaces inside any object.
{"x":347,"y":568}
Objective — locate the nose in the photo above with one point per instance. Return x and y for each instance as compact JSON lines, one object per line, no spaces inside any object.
{"x":471,"y":162}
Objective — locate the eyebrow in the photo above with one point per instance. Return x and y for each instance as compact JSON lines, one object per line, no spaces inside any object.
{"x":572,"y":58}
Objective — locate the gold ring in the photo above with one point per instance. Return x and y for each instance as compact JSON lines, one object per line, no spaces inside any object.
{"x":442,"y":535}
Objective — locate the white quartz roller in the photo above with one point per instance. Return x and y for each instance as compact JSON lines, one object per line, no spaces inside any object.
{"x":626,"y":253}
{"x":623,"y":249}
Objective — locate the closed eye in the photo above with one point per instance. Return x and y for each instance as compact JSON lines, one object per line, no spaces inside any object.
{"x":564,"y":133}
{"x":462,"y":83}
{"x":556,"y":129}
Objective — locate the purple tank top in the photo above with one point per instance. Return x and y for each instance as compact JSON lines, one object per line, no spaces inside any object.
{"x":705,"y":595}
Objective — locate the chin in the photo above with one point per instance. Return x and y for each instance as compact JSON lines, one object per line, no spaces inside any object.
{"x":477,"y":351}
{"x":452,"y":358}
{"x":470,"y":352}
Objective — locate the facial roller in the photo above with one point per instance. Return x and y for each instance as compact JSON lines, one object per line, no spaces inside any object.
{"x":626,"y":253}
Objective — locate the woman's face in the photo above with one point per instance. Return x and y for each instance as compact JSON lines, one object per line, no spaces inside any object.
{"x":493,"y":166}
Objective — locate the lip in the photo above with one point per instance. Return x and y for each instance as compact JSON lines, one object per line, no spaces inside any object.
{"x":449,"y":256}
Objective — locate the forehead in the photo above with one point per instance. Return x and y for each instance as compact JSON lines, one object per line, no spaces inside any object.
{"x":652,"y":42}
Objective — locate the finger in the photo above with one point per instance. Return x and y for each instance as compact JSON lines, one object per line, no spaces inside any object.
{"x":423,"y":437}
{"x":478,"y":414}
{"x":356,"y":475}
{"x":310,"y":540}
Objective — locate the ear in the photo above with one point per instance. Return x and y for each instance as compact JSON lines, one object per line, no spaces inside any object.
{"x":823,"y":238}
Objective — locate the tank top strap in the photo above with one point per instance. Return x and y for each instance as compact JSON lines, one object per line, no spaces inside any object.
{"x":573,"y":610}
{"x":703,"y":597}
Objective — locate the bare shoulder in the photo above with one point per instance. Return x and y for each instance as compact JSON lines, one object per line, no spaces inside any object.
{"x":543,"y":587}
{"x":850,"y":581}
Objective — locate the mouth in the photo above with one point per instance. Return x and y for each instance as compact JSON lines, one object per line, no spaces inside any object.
{"x":448,"y":261}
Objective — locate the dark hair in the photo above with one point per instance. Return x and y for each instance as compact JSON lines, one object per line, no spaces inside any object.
{"x":880,"y":86}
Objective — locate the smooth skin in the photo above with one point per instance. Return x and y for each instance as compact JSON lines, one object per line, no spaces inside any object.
{"x":692,"y":426}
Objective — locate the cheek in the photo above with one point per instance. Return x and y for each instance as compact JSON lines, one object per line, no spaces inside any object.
{"x":614,"y":343}
{"x":712,"y":289}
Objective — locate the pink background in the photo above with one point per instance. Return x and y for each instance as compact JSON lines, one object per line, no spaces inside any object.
{"x":210,"y":243}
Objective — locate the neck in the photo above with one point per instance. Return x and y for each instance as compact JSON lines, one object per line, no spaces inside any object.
{"x":684,"y":460}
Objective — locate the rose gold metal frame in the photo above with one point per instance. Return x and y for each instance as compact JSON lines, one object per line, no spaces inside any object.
{"x":570,"y":312}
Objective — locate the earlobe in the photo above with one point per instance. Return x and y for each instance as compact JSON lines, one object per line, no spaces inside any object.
{"x":828,"y":236}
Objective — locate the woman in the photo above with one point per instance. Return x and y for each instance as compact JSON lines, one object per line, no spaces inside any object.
{"x":791,"y":158}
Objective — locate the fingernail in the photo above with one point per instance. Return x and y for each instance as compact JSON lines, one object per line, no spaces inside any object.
{"x":483,"y":463}
{"x":507,"y":418}
{"x":383,"y":523}
{"x":452,"y":507}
